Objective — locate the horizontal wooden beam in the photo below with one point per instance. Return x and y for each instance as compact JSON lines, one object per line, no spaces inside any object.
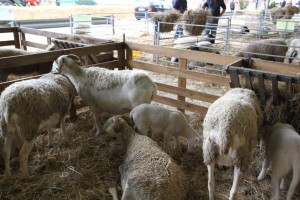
{"x":7,"y":43}
{"x":183,"y":53}
{"x":186,"y":93}
{"x":215,"y":79}
{"x":8,"y":29}
{"x":15,"y":61}
{"x":283,"y":68}
{"x":180,"y":104}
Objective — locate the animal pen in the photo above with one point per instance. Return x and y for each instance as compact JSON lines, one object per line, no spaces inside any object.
{"x":179,"y":94}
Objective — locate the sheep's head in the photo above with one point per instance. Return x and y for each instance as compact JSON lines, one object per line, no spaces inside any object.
{"x":118,"y":127}
{"x":63,"y":63}
{"x":195,"y":144}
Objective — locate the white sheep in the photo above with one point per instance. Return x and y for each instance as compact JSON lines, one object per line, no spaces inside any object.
{"x":266,"y":49}
{"x":115,"y":92}
{"x":158,"y":120}
{"x":147,"y":172}
{"x":29,"y":108}
{"x":40,"y":68}
{"x":282,"y":144}
{"x":230,"y":131}
{"x":294,"y":50}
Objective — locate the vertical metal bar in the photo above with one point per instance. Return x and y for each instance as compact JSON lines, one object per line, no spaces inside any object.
{"x":288,"y":91}
{"x":275,"y":90}
{"x":261,"y":88}
{"x":248,"y":80}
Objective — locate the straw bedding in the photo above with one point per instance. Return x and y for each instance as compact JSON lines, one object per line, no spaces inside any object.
{"x":87,"y":165}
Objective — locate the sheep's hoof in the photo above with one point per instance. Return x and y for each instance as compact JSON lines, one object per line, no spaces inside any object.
{"x":7,"y":174}
{"x":25,"y":176}
{"x":260,"y":177}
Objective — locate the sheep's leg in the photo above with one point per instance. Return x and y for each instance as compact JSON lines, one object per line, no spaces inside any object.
{"x":113,"y":193}
{"x":63,"y":128}
{"x":283,"y":183}
{"x":294,"y":183}
{"x":167,"y":139}
{"x":23,"y":156}
{"x":50,"y":140}
{"x":97,"y":126}
{"x":211,"y":180}
{"x":235,"y":184}
{"x":263,"y":171}
{"x":275,"y":187}
{"x":6,"y":154}
{"x":126,"y":192}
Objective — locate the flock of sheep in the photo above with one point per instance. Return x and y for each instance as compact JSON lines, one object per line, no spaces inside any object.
{"x":231,"y":129}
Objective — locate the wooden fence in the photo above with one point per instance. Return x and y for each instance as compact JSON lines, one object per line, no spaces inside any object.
{"x":123,"y":52}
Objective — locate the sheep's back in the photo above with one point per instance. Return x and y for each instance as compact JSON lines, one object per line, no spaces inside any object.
{"x":33,"y":101}
{"x":230,"y":123}
{"x":156,"y":175}
{"x":105,"y":79}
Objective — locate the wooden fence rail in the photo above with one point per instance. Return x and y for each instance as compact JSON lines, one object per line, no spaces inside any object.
{"x":187,"y":99}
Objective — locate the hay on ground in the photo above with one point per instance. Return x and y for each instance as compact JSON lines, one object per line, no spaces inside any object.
{"x":195,"y":17}
{"x":170,"y":17}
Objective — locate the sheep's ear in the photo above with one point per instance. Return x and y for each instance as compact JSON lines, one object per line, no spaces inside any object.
{"x":182,"y":144}
{"x":75,"y":58}
{"x":127,"y":119}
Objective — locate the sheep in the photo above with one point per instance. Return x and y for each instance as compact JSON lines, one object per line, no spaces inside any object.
{"x":230,"y":130}
{"x":29,"y":108}
{"x":158,"y":120}
{"x":40,"y":68}
{"x":267,"y":49}
{"x":282,"y":144}
{"x":147,"y":172}
{"x":294,"y":50}
{"x":115,"y":92}
{"x":203,"y":46}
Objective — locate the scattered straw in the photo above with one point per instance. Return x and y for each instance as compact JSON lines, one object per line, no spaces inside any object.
{"x":86,"y":166}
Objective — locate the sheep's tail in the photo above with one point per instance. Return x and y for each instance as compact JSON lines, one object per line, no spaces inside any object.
{"x":224,"y":142}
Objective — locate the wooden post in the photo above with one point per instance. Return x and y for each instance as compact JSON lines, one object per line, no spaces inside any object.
{"x":16,"y":38}
{"x":182,"y":81}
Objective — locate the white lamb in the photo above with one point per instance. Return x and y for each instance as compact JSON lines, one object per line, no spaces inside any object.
{"x":282,"y":144}
{"x":294,"y":50}
{"x":29,"y":108}
{"x":158,"y":120}
{"x":147,"y":172}
{"x":115,"y":92}
{"x":230,"y":131}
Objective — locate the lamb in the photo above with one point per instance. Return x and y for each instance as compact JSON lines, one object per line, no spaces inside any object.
{"x":294,"y":50}
{"x":230,"y":130}
{"x":267,"y":49}
{"x":158,"y":120}
{"x":282,"y":144}
{"x":40,"y":68}
{"x":147,"y":172}
{"x":115,"y":92}
{"x":29,"y":108}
